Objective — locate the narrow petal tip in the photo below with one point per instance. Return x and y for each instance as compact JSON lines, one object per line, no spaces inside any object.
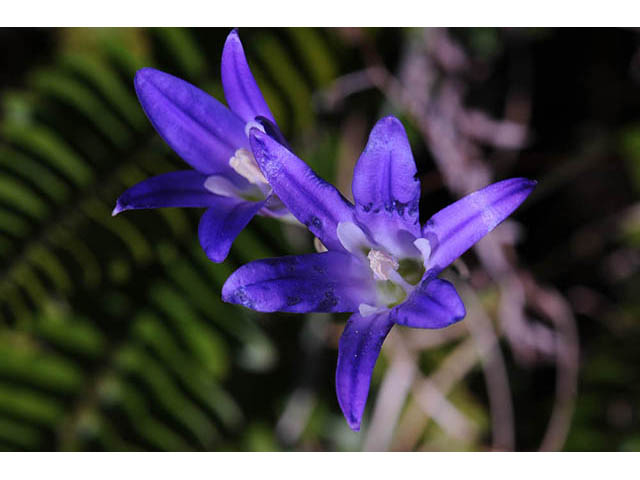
{"x":240,"y":88}
{"x":388,"y":129}
{"x":117,"y":209}
{"x":143,"y":75}
{"x":522,"y":182}
{"x":521,"y":188}
{"x":354,"y":424}
{"x":233,"y":34}
{"x":234,"y":292}
{"x":529,"y":183}
{"x":214,"y":254}
{"x":389,"y":121}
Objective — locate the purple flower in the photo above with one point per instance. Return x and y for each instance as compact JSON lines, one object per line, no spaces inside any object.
{"x":380,"y":262}
{"x":214,"y":140}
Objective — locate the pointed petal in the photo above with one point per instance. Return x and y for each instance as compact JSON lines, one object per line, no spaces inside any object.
{"x":220,"y":225}
{"x":434,"y":304}
{"x":195,"y":125}
{"x":240,"y":88}
{"x":454,"y":229}
{"x":385,"y":187}
{"x":317,"y":282}
{"x":183,"y":188}
{"x":357,"y":354}
{"x":316,"y":203}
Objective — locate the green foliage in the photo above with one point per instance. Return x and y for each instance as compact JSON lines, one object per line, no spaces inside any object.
{"x":112,"y":332}
{"x":113,"y":335}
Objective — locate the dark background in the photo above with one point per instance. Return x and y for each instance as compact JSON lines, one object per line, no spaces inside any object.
{"x":112,"y":332}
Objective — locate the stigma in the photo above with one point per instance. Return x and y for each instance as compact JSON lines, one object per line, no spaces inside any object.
{"x":382,"y":265}
{"x":245,"y":165}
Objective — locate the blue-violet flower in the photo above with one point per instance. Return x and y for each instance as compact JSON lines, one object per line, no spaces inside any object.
{"x":214,"y":140}
{"x":380,"y":263}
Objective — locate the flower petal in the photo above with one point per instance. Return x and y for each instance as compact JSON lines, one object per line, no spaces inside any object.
{"x":183,"y":188}
{"x":454,"y":229}
{"x":352,"y":238}
{"x":358,"y":351}
{"x":221,"y":185}
{"x":195,"y":125}
{"x":434,"y":304}
{"x":385,"y":187}
{"x":316,"y":203}
{"x":317,"y":282}
{"x":220,"y":225}
{"x":240,"y":88}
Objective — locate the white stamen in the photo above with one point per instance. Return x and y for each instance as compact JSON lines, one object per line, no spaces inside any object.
{"x":245,"y":165}
{"x":351,"y":237}
{"x":252,"y":124}
{"x":221,"y":186}
{"x":319,"y":246}
{"x":424,"y":246}
{"x":367,"y":310}
{"x":382,"y":264}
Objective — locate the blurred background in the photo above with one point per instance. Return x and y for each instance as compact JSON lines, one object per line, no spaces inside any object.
{"x":112,"y":332}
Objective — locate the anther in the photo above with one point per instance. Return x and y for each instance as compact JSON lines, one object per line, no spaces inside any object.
{"x":245,"y":165}
{"x":382,"y":264}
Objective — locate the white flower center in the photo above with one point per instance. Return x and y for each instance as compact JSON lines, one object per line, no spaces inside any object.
{"x":391,"y":285}
{"x":382,"y":264}
{"x":245,"y":165}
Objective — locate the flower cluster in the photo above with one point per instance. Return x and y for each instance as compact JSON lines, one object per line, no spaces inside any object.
{"x":214,"y":140}
{"x":376,"y":260}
